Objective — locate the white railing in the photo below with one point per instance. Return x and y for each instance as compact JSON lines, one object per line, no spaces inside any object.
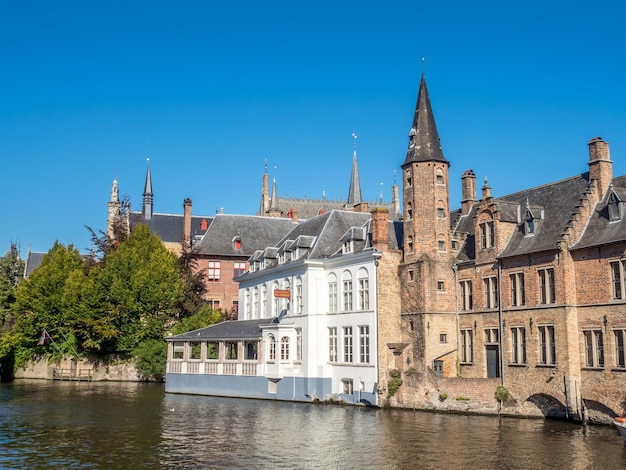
{"x":215,"y":368}
{"x":229,"y":368}
{"x":249,"y":368}
{"x":211,"y":367}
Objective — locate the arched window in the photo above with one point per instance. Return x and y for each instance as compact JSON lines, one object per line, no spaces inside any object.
{"x":271,"y":346}
{"x":332,"y":293}
{"x":409,"y":210}
{"x":284,"y":348}
{"x":346,"y":285}
{"x":409,"y":244}
{"x":439,"y":176}
{"x":364,"y":289}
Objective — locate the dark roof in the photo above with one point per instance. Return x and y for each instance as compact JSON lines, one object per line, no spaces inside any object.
{"x":254,"y":232}
{"x":553,"y":205}
{"x":33,"y":261}
{"x":232,"y":329}
{"x":424,"y":144}
{"x":328,"y":230}
{"x":169,"y":227}
{"x":600,"y":230}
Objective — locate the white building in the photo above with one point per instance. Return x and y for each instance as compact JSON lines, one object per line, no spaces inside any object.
{"x":307,"y":322}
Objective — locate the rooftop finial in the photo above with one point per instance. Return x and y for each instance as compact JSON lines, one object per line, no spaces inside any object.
{"x":381,"y":193}
{"x":266,"y":165}
{"x":394,"y":177}
{"x":422,"y":65}
{"x":354,"y":136}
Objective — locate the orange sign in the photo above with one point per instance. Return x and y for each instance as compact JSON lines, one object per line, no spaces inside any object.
{"x":282,"y":294}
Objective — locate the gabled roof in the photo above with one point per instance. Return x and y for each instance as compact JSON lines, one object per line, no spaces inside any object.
{"x":169,"y":227}
{"x":328,"y":230}
{"x":557,"y":200}
{"x":254,"y":232}
{"x":228,"y":330}
{"x":33,"y":261}
{"x":600,"y":230}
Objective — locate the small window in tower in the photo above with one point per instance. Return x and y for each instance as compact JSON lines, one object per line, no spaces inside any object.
{"x":410,"y":275}
{"x":442,"y":245}
{"x":455,"y":245}
{"x":409,"y":180}
{"x":439,"y":177}
{"x":409,"y":210}
{"x":440,"y":212}
{"x":409,"y":242}
{"x":440,"y":286}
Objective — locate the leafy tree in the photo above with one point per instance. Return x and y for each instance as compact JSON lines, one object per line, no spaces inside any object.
{"x":11,"y":273}
{"x":41,"y":304}
{"x":206,"y":316}
{"x":150,"y":358}
{"x":140,"y":287}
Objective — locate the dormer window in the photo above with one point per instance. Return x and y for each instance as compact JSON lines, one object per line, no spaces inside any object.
{"x":237,"y":242}
{"x":614,"y":207}
{"x":412,"y":134}
{"x":529,"y":223}
{"x":487,"y":237}
{"x":348,"y":246}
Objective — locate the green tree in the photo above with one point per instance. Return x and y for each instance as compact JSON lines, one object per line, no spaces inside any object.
{"x":41,"y":304}
{"x":11,"y":273}
{"x":141,"y":288}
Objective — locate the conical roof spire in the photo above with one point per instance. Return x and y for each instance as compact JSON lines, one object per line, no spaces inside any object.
{"x":424,"y":142}
{"x":147,"y":195}
{"x":354,"y":194}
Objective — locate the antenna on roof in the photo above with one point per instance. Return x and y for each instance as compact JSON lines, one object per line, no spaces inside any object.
{"x":381,"y":193}
{"x":423,"y":66}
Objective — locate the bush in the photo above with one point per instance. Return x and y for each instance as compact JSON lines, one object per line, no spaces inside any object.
{"x":394,"y":383}
{"x":443,"y":396}
{"x":502,"y":393}
{"x":150,"y":358}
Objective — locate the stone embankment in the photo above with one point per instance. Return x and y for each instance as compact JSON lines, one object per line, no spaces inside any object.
{"x":114,"y":369}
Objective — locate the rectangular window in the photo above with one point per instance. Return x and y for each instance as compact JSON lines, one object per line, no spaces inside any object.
{"x":491,"y":292}
{"x":347,"y":386}
{"x":298,"y":298}
{"x":441,"y":245}
{"x":347,"y":344}
{"x":466,"y":295}
{"x":214,"y":272}
{"x":441,"y":286}
{"x":518,"y":338}
{"x":594,"y":348}
{"x":179,"y":350}
{"x":332,"y":297}
{"x":250,"y":350}
{"x":517,"y":289}
{"x":364,"y":294}
{"x":467,"y":352}
{"x":230,"y":349}
{"x":239,"y":268}
{"x":487,"y":235}
{"x":212,"y":350}
{"x":620,"y":336}
{"x":298,"y":344}
{"x":194,"y":350}
{"x":332,"y":344}
{"x":364,"y":344}
{"x":347,"y":296}
{"x":491,"y":336}
{"x":547,"y":349}
{"x":617,"y":278}
{"x":546,"y":286}
{"x":443,"y":338}
{"x":284,"y":348}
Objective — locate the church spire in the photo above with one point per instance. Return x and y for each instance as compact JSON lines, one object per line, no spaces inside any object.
{"x":354,"y":194}
{"x":147,"y":196}
{"x":274,"y":210}
{"x":424,"y":142}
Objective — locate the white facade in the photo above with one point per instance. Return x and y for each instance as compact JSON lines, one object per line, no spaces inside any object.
{"x":326,"y":329}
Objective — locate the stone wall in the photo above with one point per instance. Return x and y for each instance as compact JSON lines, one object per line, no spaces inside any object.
{"x":113,"y":369}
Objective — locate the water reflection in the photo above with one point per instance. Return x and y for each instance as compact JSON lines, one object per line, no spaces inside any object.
{"x":121,"y":425}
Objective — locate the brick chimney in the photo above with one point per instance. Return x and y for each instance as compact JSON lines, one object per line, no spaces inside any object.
{"x":187,"y":221}
{"x":600,"y":165}
{"x":380,"y":229}
{"x":468,"y":184}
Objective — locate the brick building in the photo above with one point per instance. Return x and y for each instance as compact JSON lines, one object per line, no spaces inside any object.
{"x":525,"y":290}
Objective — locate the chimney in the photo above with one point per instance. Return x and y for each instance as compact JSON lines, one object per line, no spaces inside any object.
{"x":600,"y":165}
{"x":361,"y":207}
{"x":486,"y":190}
{"x":294,"y":215}
{"x":380,"y":229}
{"x":187,"y":221}
{"x":468,"y":184}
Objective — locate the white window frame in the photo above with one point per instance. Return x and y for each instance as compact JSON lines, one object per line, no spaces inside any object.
{"x":547,"y":294}
{"x":518,"y":345}
{"x":364,"y":344}
{"x":594,"y":348}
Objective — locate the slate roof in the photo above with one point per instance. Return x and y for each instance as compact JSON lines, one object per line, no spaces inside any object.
{"x":228,"y":330}
{"x":33,"y":261}
{"x":424,"y":144}
{"x":555,"y":202}
{"x":328,"y":230}
{"x":255,"y":233}
{"x":169,"y":227}
{"x":309,"y":208}
{"x":600,"y":230}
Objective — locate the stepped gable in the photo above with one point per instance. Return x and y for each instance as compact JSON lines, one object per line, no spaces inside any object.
{"x":254,"y":233}
{"x":601,"y":230}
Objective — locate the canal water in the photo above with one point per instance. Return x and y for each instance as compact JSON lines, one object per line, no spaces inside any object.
{"x":108,"y":425}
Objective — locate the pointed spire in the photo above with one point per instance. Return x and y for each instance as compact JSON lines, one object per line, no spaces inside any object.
{"x":354,"y":194}
{"x":147,"y":195}
{"x":424,"y":142}
{"x":274,"y":201}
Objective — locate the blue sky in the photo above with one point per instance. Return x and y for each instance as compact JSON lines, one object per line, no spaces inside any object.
{"x":209,"y":90}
